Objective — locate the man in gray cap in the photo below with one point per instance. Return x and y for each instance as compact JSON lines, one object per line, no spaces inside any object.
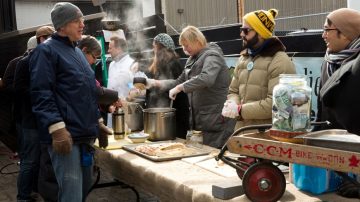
{"x":63,"y":93}
{"x":340,"y":78}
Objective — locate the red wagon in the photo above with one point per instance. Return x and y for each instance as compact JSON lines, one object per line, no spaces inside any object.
{"x":263,"y":180}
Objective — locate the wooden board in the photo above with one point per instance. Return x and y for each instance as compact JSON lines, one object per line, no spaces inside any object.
{"x":261,"y":146}
{"x":116,"y":144}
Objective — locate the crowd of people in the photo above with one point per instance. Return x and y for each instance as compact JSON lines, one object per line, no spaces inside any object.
{"x":57,"y":100}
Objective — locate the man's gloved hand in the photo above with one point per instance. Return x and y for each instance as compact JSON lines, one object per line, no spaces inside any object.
{"x":173,"y":92}
{"x":231,"y":109}
{"x":104,"y":131}
{"x":61,"y":141}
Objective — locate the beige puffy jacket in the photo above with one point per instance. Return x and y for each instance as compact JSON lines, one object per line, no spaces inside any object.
{"x":253,"y":88}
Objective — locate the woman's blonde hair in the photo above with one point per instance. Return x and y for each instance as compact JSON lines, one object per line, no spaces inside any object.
{"x":192,"y":34}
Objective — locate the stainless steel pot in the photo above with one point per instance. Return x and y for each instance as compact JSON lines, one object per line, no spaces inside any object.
{"x":111,"y":25}
{"x":134,"y":116}
{"x":160,"y":123}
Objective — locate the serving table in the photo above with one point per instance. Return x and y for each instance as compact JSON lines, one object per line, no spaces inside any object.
{"x":188,"y":179}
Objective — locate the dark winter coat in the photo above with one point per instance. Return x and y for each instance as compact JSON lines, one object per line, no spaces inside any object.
{"x":206,"y":81}
{"x":339,"y":95}
{"x":23,"y":111}
{"x":324,"y":113}
{"x":7,"y":121}
{"x":160,"y":98}
{"x":63,"y":89}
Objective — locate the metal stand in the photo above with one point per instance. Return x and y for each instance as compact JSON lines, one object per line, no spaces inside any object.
{"x":116,"y":182}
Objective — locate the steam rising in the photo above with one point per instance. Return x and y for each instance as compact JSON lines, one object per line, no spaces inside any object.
{"x":133,"y":25}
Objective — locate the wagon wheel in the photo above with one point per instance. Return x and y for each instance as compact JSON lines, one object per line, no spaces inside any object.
{"x":244,"y":163}
{"x":264,"y":182}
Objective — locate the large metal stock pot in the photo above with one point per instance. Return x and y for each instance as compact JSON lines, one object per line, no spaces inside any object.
{"x":134,"y":116}
{"x":160,"y":123}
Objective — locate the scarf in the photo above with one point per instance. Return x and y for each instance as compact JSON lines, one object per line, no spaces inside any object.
{"x":334,"y":60}
{"x":254,"y":52}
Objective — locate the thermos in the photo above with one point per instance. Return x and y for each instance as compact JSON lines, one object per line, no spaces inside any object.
{"x":118,"y":123}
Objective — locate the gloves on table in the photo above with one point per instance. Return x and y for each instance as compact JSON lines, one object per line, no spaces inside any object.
{"x":231,"y":109}
{"x":104,"y":131}
{"x":173,"y":92}
{"x":61,"y":141}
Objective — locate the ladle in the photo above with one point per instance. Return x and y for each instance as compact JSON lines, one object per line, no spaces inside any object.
{"x":171,"y":103}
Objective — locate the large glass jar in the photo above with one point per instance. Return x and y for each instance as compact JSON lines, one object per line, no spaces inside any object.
{"x":194,"y":138}
{"x":291,"y":104}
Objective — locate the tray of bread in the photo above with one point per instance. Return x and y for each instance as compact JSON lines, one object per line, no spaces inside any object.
{"x":165,"y":151}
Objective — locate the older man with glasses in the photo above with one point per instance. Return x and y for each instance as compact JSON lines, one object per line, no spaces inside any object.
{"x":257,"y":72}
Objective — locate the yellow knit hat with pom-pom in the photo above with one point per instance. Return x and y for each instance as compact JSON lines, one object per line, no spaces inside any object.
{"x":263,"y":22}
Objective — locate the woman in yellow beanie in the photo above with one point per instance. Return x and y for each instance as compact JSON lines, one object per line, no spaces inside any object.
{"x":257,"y":72}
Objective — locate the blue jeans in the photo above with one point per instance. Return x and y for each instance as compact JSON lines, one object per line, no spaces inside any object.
{"x":29,"y":153}
{"x":73,"y":179}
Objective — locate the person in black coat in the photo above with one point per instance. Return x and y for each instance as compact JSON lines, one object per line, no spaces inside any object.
{"x":28,"y":139}
{"x":165,"y":66}
{"x":340,"y":79}
{"x":7,"y":118}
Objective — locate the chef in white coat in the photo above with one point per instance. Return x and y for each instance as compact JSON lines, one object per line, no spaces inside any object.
{"x":120,"y":72}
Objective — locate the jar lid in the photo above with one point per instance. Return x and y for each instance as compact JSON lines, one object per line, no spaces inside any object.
{"x":197,"y":132}
{"x":293,"y":79}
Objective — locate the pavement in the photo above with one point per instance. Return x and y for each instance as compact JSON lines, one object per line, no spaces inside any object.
{"x":8,"y":189}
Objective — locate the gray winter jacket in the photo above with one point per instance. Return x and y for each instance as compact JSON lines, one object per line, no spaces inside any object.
{"x":206,"y":81}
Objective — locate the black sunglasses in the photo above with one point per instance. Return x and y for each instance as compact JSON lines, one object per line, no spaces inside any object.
{"x":246,"y":30}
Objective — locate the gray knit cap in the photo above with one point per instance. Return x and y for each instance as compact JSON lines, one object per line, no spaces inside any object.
{"x":165,"y":40}
{"x":64,"y":12}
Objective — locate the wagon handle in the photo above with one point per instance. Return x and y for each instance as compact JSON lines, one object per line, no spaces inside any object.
{"x":321,"y":123}
{"x":261,"y":128}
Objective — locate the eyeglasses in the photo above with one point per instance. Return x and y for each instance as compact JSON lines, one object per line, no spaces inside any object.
{"x":94,"y":56}
{"x":78,"y":21}
{"x":327,"y":30}
{"x":246,"y":30}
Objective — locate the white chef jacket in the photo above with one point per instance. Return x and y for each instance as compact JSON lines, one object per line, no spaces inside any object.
{"x":120,"y":75}
{"x":120,"y":78}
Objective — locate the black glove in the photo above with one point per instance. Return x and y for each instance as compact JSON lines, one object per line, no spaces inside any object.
{"x":349,"y":187}
{"x":104,"y":131}
{"x":106,"y":96}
